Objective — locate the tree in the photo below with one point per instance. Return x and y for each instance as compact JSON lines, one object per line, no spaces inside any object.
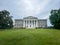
{"x":5,"y":20}
{"x":55,"y":18}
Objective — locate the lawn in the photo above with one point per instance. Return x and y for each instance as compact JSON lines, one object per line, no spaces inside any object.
{"x":30,"y":37}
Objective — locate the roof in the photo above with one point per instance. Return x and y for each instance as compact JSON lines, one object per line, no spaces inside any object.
{"x":18,"y":19}
{"x":30,"y":17}
{"x":42,"y":19}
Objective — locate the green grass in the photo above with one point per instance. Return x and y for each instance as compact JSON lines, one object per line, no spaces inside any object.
{"x":30,"y":37}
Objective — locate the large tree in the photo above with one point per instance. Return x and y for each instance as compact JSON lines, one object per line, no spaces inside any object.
{"x":55,"y":18}
{"x":5,"y":20}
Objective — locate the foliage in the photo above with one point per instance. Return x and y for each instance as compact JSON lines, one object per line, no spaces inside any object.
{"x":5,"y":20}
{"x":55,"y":18}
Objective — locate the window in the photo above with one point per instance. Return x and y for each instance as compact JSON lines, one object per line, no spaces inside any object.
{"x":30,"y":21}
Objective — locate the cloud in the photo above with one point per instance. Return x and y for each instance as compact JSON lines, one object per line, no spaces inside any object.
{"x":22,"y":8}
{"x":31,"y":7}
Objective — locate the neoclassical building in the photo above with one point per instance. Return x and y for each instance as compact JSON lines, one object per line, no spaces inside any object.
{"x":30,"y":22}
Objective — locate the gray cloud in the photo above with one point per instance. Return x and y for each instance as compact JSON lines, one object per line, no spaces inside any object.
{"x":22,"y":8}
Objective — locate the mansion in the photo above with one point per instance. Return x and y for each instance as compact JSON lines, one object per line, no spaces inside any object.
{"x":30,"y":22}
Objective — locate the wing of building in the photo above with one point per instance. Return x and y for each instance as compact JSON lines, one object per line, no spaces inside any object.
{"x":30,"y":22}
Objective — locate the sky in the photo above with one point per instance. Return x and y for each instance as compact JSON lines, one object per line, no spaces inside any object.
{"x":23,"y":8}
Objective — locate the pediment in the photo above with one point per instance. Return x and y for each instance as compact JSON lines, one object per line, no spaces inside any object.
{"x":30,"y":17}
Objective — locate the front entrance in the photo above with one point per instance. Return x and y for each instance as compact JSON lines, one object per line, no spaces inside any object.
{"x":30,"y":23}
{"x":30,"y":26}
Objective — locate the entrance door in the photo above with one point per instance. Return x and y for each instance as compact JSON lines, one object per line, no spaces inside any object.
{"x":30,"y":26}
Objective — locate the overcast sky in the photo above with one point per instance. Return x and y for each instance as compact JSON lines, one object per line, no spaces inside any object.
{"x":22,"y":8}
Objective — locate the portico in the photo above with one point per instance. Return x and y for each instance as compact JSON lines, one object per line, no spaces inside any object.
{"x":30,"y":23}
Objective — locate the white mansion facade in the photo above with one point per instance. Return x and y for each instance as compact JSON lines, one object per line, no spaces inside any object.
{"x":30,"y":22}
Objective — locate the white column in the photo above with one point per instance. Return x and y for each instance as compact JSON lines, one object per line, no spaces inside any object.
{"x":23,"y":23}
{"x":37,"y":23}
{"x":26,"y":23}
{"x":34,"y":23}
{"x":31,"y":23}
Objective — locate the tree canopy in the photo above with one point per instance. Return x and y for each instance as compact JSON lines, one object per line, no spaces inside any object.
{"x":55,"y":18}
{"x":5,"y":20}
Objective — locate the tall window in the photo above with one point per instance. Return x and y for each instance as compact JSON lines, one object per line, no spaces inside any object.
{"x":35,"y":22}
{"x":25,"y":23}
